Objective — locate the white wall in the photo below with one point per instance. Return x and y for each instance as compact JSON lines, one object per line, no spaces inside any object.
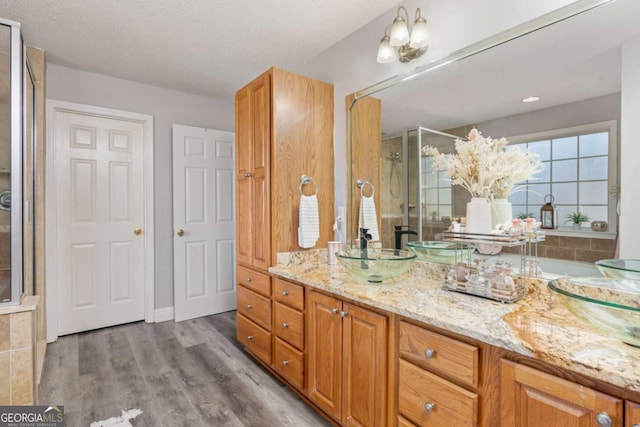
{"x":564,"y":116}
{"x":167,"y":107}
{"x":630,"y":151}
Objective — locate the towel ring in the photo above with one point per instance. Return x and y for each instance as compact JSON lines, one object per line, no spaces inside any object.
{"x":362,"y":184}
{"x":304,"y":180}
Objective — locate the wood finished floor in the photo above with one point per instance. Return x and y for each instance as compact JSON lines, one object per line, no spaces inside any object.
{"x":191,"y":373}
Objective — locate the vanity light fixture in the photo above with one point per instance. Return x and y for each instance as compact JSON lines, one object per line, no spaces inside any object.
{"x":531,"y":99}
{"x":398,"y":44}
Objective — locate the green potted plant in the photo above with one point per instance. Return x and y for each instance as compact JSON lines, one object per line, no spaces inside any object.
{"x":525,"y":215}
{"x":577,"y":218}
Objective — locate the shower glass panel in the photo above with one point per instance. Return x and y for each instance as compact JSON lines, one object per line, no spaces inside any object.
{"x":5,"y":163}
{"x":413,"y":194}
{"x":13,"y":135}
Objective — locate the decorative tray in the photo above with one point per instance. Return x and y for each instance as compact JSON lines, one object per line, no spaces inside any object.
{"x":497,"y":283}
{"x":496,"y":239}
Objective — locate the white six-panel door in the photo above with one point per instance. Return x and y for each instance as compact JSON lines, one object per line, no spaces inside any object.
{"x":100,"y":214}
{"x":203,"y":219}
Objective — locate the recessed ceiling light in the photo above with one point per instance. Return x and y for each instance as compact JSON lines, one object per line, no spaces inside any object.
{"x":531,"y":99}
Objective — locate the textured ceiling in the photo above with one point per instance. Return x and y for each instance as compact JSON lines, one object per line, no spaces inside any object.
{"x":210,"y":47}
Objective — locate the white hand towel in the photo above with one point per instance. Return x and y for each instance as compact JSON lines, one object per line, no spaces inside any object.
{"x":368,"y":218}
{"x":309,"y":222}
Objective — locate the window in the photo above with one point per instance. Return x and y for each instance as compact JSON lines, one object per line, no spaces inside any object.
{"x":436,"y":191}
{"x":580,"y":172}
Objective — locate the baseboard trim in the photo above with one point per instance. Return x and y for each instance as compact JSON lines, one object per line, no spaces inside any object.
{"x":163,"y":314}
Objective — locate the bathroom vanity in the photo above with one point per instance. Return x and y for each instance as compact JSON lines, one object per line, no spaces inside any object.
{"x":406,"y":352}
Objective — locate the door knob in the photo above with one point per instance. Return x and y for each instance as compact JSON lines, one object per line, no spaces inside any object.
{"x":137,"y":231}
{"x":180,"y":232}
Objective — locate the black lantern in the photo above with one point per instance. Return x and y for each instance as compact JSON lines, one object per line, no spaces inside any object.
{"x":548,"y":213}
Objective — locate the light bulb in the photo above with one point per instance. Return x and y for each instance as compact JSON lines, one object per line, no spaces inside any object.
{"x":399,"y":32}
{"x":386,"y":52}
{"x":420,"y":36}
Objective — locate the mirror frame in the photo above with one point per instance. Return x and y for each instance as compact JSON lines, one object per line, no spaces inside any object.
{"x":513,"y":33}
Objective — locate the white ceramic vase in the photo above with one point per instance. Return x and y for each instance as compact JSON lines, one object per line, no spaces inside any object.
{"x":501,"y":212}
{"x":478,"y":216}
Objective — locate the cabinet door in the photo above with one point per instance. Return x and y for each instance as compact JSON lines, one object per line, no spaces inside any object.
{"x":364,"y":367}
{"x":325,"y":352}
{"x":261,"y":145}
{"x":530,"y":398}
{"x":632,"y":414}
{"x":244,"y":167}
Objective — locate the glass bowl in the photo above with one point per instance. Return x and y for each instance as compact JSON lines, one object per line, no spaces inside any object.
{"x":611,"y":305}
{"x":376,"y":265}
{"x":442,"y":252}
{"x":620,"y":268}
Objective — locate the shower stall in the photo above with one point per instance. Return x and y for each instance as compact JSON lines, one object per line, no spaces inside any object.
{"x":413,"y":195}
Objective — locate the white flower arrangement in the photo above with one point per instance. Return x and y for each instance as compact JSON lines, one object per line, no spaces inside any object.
{"x":483,"y":167}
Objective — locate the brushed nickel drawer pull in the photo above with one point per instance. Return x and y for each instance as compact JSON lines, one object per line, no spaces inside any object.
{"x":285,"y":325}
{"x":429,"y":353}
{"x":250,"y":337}
{"x":285,"y":293}
{"x":285,"y":362}
{"x":429,"y":407}
{"x":603,"y":419}
{"x":248,"y":279}
{"x":249,"y":306}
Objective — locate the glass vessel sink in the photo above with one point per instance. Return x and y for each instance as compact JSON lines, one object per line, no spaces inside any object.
{"x":442,"y":252}
{"x":611,"y":305}
{"x":376,"y":265}
{"x":620,"y":268}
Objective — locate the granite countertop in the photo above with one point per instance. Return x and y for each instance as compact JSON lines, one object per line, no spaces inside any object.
{"x":536,"y":326}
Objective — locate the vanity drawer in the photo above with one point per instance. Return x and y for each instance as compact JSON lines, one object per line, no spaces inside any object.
{"x":254,"y":280}
{"x":255,"y":307}
{"x":289,"y":293}
{"x":438,"y":353}
{"x":289,"y":363}
{"x":428,"y":400}
{"x":289,"y":325}
{"x":403,"y":422}
{"x":255,"y":339}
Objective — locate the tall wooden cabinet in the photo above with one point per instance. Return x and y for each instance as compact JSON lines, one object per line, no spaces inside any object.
{"x":284,"y":129}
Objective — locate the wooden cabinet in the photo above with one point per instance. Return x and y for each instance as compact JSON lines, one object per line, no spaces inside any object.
{"x":347,"y":366}
{"x":288,"y":331}
{"x":428,"y":364}
{"x":632,"y":414}
{"x":254,"y":312}
{"x":530,"y":398}
{"x":284,"y":129}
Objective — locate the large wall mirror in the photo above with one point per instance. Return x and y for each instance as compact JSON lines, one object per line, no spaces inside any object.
{"x":572,"y":62}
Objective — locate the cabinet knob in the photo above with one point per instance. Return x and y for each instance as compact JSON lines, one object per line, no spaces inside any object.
{"x":334,"y":311}
{"x":285,"y":325}
{"x":249,"y":306}
{"x":248,"y":174}
{"x":250,"y":337}
{"x":248,"y":279}
{"x":429,"y":353}
{"x":285,"y":293}
{"x":285,"y":362}
{"x":343,"y":314}
{"x":429,"y":406}
{"x":603,"y":419}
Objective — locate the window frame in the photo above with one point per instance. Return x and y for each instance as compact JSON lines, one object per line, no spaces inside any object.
{"x":613,"y":176}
